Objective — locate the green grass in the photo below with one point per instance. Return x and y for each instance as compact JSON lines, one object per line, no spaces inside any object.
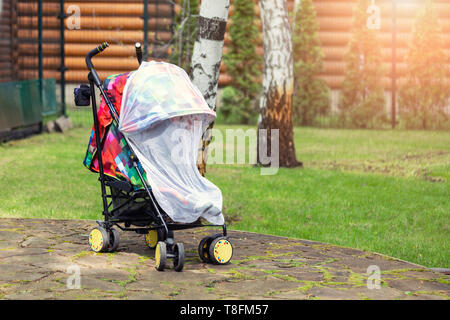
{"x":384,"y":191}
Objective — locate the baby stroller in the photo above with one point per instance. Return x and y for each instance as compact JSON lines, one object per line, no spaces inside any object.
{"x":144,"y":145}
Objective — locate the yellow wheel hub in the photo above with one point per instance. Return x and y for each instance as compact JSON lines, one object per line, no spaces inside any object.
{"x":96,"y":240}
{"x":158,"y":255}
{"x":151,"y":238}
{"x":223,"y":251}
{"x":205,"y":250}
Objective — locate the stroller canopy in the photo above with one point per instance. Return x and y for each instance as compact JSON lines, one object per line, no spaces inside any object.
{"x":163,"y":117}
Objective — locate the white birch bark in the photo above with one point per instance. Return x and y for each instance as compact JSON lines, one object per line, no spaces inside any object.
{"x":206,"y":59}
{"x":208,"y":46}
{"x":278,"y":80}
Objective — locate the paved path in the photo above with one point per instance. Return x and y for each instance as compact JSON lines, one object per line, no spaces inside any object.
{"x":38,"y":257}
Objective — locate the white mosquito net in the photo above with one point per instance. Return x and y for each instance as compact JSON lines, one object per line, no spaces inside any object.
{"x":163,"y":117}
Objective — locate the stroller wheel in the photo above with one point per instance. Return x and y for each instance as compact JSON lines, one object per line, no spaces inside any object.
{"x":203,"y":251}
{"x":203,"y":248}
{"x":152,"y":238}
{"x":220,"y":250}
{"x":179,"y":257}
{"x":113,"y":240}
{"x":161,"y":255}
{"x":98,"y":239}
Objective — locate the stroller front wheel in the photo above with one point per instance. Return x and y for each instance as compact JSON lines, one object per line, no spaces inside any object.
{"x":161,"y":255}
{"x":179,"y":257}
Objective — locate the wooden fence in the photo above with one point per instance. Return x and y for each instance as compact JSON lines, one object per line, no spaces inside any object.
{"x":120,"y":23}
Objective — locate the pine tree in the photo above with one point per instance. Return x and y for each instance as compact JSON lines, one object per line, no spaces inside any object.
{"x":362,"y":102}
{"x":311,"y":94}
{"x":243,"y":64}
{"x":186,"y":30}
{"x":424,"y":95}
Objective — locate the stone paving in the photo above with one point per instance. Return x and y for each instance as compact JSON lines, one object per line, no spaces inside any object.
{"x":40,"y":259}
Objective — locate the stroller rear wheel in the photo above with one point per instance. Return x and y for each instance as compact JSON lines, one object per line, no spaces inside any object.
{"x":113,"y":240}
{"x":203,"y":248}
{"x":152,"y":237}
{"x":99,"y":239}
{"x":220,"y":250}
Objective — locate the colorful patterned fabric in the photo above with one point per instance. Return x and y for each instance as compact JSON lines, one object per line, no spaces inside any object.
{"x":115,"y":150}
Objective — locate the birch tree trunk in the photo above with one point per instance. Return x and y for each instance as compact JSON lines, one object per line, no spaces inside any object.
{"x":278,"y":82}
{"x":206,"y":58}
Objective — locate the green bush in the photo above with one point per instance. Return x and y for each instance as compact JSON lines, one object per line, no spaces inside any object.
{"x":230,"y":110}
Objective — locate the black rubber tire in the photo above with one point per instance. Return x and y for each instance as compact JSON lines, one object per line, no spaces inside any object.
{"x":105,"y":241}
{"x":114,"y":240}
{"x":161,"y":262}
{"x":180,"y":257}
{"x":211,"y":250}
{"x":203,"y":247}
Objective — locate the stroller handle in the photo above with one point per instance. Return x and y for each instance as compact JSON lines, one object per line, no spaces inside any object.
{"x":89,"y":64}
{"x":139,"y":55}
{"x":93,"y":52}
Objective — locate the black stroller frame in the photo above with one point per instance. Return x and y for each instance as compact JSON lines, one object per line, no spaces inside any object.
{"x":105,"y":237}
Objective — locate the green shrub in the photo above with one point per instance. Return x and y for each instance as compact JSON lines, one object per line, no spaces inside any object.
{"x":231,"y":111}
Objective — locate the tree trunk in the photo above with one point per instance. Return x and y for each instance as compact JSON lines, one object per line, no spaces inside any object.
{"x":278,"y":82}
{"x":206,"y":59}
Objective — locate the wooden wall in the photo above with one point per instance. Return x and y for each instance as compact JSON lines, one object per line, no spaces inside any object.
{"x":119,"y":22}
{"x":335,"y":21}
{"x":6,"y":65}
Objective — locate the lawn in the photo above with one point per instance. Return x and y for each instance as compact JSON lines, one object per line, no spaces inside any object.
{"x":384,"y":191}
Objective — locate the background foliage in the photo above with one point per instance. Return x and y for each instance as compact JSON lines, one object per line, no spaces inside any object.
{"x":243,"y":65}
{"x":362,"y":98}
{"x":424,"y":96}
{"x":186,"y":30}
{"x":311,"y":94}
